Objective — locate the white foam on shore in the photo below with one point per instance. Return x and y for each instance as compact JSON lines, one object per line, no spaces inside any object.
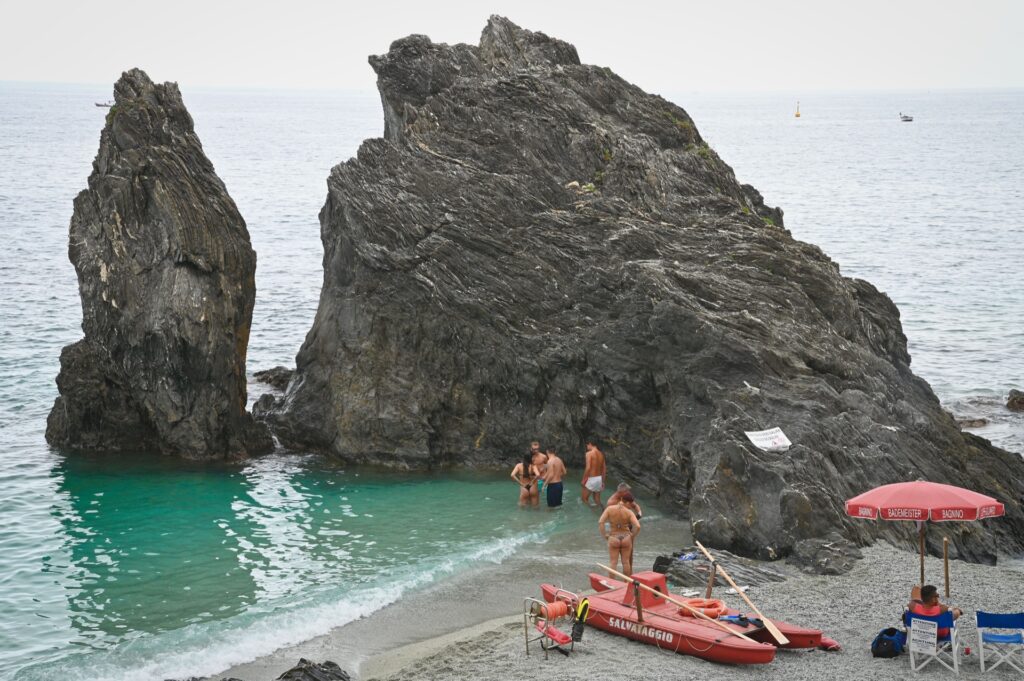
{"x":211,"y":647}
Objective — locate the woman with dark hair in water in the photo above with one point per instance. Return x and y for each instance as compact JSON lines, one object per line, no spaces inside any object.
{"x":525,"y":474}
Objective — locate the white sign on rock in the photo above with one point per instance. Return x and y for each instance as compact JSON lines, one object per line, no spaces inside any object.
{"x":924,"y":636}
{"x":771,"y":440}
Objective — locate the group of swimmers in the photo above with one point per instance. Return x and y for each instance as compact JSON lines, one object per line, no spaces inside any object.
{"x":619,"y":523}
{"x":537,"y":470}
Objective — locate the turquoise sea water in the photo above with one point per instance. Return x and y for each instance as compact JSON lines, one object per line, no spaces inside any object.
{"x":127,"y":569}
{"x":155,"y":570}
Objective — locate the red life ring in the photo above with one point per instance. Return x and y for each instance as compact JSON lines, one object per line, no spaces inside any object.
{"x":709,"y":607}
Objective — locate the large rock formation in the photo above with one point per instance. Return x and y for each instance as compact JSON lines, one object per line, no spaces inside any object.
{"x":538,"y":248}
{"x":167,"y":279}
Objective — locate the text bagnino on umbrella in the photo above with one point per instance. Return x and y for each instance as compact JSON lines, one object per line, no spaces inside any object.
{"x":922,"y":501}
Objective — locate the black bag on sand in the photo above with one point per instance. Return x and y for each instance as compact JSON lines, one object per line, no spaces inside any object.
{"x":888,"y":643}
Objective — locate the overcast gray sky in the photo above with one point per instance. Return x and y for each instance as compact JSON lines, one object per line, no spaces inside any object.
{"x":735,"y":45}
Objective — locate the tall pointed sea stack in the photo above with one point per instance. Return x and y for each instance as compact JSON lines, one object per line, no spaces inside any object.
{"x":538,"y":249}
{"x":167,"y":279}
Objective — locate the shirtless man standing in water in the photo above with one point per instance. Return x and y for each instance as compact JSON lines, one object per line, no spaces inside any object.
{"x":593,"y":474}
{"x":553,"y":474}
{"x":623,"y":528}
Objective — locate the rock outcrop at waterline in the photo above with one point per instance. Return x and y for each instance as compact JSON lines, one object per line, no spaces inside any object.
{"x":166,"y":274}
{"x":537,"y":248}
{"x":305,"y":671}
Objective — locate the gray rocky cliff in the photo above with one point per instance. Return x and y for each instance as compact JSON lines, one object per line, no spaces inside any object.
{"x":537,"y":248}
{"x":166,"y":274}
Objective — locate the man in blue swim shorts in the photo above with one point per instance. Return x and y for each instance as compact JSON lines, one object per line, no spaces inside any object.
{"x":553,"y":474}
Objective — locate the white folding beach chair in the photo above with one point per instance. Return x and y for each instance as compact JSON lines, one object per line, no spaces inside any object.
{"x":1006,"y":645}
{"x":925,"y":644}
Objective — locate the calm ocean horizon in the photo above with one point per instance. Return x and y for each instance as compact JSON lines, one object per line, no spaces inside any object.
{"x":106,"y":575}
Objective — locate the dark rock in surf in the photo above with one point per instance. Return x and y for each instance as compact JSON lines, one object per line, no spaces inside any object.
{"x":311,"y":671}
{"x":276,"y":377}
{"x":538,"y":248}
{"x":305,"y":671}
{"x":264,"y":405}
{"x":1015,"y":400}
{"x":166,"y":276}
{"x":972,"y":423}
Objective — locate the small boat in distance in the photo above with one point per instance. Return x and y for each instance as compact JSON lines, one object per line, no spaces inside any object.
{"x":797,"y":114}
{"x":905,"y":118}
{"x":105,"y":105}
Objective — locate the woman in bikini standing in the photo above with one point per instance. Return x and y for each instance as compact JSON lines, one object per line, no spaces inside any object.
{"x":622,"y":528}
{"x":525,"y":473}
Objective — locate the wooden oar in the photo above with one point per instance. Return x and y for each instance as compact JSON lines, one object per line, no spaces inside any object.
{"x":693,"y":611}
{"x":768,"y":624}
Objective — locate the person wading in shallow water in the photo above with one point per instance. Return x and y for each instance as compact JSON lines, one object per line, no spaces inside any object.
{"x":620,"y":533}
{"x":540,"y":460}
{"x":633,"y":506}
{"x":593,"y":474}
{"x":525,"y":473}
{"x":553,"y":474}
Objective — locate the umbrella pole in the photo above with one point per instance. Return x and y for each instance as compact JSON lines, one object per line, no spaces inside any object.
{"x":921,"y":540}
{"x":945,"y":561}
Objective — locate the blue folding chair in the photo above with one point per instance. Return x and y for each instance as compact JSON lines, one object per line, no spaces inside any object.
{"x":946,"y":649}
{"x":1006,"y":646}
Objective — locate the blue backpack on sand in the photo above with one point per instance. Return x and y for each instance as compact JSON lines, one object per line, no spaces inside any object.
{"x":889,"y":643}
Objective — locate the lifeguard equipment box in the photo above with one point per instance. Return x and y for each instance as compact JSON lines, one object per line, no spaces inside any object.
{"x":653,"y":580}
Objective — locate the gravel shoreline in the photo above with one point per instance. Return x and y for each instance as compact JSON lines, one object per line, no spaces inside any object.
{"x":850,"y":608}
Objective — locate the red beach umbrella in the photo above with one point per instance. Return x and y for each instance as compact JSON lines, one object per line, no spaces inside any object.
{"x":923,"y":501}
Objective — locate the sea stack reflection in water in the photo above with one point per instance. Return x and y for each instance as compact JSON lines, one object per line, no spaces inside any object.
{"x":166,"y":274}
{"x":537,"y":247}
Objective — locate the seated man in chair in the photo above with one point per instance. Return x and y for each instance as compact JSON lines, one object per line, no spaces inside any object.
{"x":925,"y":601}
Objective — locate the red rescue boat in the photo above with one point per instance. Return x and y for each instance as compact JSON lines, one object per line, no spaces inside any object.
{"x":614,"y":610}
{"x":799,"y":637}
